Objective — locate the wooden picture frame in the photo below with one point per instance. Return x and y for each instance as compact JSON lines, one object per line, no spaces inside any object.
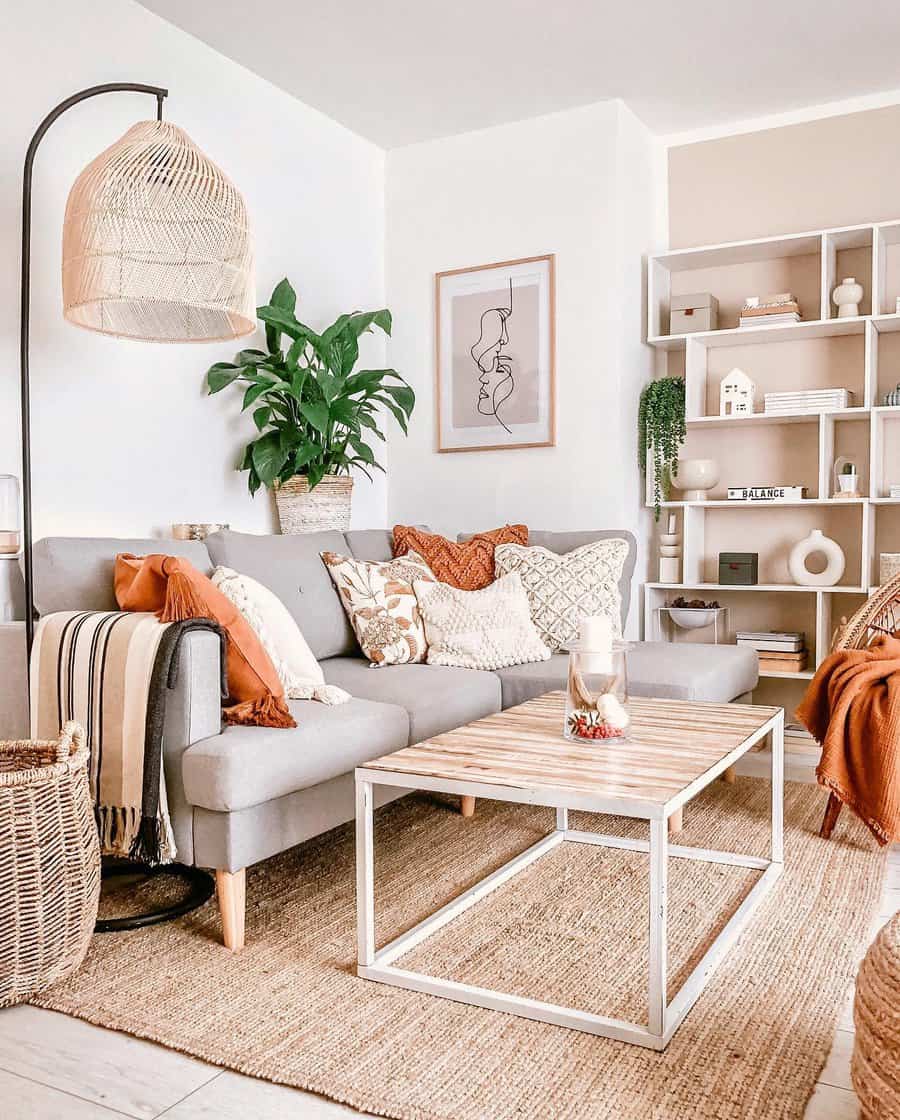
{"x":495,"y":379}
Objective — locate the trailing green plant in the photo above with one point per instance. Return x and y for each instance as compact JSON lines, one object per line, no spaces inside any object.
{"x":314,"y":414}
{"x":661,"y":432}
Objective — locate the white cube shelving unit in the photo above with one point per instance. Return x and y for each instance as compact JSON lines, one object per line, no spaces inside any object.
{"x":861,"y":353}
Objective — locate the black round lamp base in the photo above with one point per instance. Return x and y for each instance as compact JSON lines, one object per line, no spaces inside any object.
{"x":200,"y":887}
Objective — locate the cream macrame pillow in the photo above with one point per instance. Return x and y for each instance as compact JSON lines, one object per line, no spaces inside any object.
{"x":490,"y":628}
{"x":280,"y":636}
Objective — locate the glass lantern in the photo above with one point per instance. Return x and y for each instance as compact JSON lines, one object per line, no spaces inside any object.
{"x":9,"y":515}
{"x":597,"y":695}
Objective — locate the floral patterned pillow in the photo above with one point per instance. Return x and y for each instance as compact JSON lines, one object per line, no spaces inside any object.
{"x":381,"y":605}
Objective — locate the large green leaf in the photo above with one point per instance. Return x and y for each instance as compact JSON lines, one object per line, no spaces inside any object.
{"x":316,"y":413}
{"x":403,"y":395}
{"x":221,"y":375}
{"x":363,"y":450}
{"x":315,"y":474}
{"x":304,"y":454}
{"x":283,"y":295}
{"x":268,"y":457}
{"x":253,"y":394}
{"x":262,"y":416}
{"x":281,"y":320}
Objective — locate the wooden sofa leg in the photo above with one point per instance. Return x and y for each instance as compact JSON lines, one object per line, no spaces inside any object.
{"x":832,"y":812}
{"x":231,"y":891}
{"x":676,"y":821}
{"x":467,"y":806}
{"x":729,"y":775}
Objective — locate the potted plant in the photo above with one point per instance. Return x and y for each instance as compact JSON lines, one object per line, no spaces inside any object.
{"x":314,"y":413}
{"x":661,"y":432}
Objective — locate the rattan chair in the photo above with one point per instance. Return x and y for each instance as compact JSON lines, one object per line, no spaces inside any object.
{"x":880,"y":614}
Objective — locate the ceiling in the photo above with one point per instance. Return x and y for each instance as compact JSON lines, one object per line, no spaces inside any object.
{"x":400,"y":71}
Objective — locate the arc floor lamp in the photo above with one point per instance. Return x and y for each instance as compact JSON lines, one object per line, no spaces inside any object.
{"x":156,"y":247}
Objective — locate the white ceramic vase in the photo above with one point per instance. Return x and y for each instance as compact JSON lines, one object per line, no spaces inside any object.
{"x":847,"y":296}
{"x":816,"y":542}
{"x":696,"y":477}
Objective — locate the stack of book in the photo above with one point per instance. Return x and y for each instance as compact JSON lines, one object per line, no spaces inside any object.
{"x":895,"y":491}
{"x":779,"y":653}
{"x":807,"y":400}
{"x":782,"y":308}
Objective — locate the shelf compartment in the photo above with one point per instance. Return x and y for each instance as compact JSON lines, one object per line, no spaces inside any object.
{"x":733,"y":272}
{"x":772,"y":535}
{"x":847,"y":252}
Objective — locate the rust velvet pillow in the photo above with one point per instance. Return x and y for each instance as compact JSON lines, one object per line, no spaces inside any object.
{"x":174,"y":589}
{"x":468,"y":566}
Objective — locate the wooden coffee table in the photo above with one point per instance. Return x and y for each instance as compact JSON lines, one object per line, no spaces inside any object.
{"x":677,"y":749}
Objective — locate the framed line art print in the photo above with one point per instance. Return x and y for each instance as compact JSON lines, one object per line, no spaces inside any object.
{"x":495,"y":351}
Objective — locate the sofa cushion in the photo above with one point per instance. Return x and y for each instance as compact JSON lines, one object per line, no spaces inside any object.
{"x":670,"y":671}
{"x":76,"y":573}
{"x":437,"y":698}
{"x":246,"y":766}
{"x":561,"y":543}
{"x":291,"y":567}
{"x":374,"y":545}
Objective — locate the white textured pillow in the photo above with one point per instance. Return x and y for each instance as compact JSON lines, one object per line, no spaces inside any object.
{"x":486,"y":629}
{"x":563,"y":589}
{"x":297,"y":669}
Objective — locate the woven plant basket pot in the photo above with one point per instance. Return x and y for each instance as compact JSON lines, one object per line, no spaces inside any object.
{"x":875,"y":1068}
{"x":49,"y":862}
{"x":301,"y":510}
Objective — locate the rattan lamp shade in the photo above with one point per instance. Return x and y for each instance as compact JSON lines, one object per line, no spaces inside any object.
{"x":156,"y":243}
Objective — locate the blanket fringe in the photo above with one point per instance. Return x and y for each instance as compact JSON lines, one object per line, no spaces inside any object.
{"x":118,"y":826}
{"x":182,"y":601}
{"x":267,"y":711}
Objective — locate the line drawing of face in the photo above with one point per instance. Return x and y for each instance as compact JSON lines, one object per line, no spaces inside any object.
{"x":495,"y":379}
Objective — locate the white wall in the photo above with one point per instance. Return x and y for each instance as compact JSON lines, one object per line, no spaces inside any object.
{"x":124,"y":440}
{"x":585,"y":185}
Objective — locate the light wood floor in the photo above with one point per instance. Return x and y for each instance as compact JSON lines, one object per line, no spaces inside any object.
{"x":54,"y":1067}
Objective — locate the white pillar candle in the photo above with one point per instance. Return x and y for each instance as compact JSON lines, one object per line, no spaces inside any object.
{"x":595,"y":640}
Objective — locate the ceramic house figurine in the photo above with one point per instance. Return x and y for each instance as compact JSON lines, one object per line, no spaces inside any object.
{"x":736,"y":394}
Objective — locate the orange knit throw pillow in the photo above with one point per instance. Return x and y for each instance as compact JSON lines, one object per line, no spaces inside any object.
{"x":468,"y":566}
{"x":174,"y":589}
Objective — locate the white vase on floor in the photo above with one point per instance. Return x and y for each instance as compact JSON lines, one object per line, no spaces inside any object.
{"x":802,"y":550}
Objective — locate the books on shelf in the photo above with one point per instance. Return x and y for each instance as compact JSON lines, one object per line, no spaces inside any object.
{"x":768,"y":319}
{"x":895,"y":491}
{"x":783,"y":663}
{"x":766,"y":493}
{"x":772,"y":641}
{"x":779,"y":308}
{"x":807,"y":400}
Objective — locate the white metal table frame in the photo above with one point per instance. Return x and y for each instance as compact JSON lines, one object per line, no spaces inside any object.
{"x":664,"y":1016}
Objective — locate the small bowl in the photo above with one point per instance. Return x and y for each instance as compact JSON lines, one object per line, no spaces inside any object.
{"x":669,"y":550}
{"x":670,"y":538}
{"x":692,"y":618}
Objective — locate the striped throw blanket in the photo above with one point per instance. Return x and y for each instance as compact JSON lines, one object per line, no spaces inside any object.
{"x":111,"y":671}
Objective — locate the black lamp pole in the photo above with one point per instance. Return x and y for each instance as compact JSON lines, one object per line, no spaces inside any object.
{"x":110,"y":87}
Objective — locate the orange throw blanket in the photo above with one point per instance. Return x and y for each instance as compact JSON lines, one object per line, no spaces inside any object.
{"x":852,"y":707}
{"x":174,"y":589}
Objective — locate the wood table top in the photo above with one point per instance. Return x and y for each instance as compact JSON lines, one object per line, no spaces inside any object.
{"x":673,"y":744}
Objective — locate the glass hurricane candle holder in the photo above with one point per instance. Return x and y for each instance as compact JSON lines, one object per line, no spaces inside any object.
{"x":9,"y":515}
{"x":597,"y":695}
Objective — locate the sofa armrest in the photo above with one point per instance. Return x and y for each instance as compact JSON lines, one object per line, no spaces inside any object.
{"x":193,"y":712}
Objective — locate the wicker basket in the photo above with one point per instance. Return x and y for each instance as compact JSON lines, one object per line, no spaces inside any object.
{"x":49,"y":862}
{"x":875,"y":1068}
{"x":301,"y":510}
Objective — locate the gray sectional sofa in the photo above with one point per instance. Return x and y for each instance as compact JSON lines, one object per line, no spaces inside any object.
{"x":243,"y":794}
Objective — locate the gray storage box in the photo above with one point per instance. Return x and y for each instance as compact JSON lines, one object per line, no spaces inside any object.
{"x":740,"y":569}
{"x":697,"y":312}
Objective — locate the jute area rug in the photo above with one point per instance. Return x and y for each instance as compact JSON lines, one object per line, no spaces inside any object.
{"x":570,"y":929}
